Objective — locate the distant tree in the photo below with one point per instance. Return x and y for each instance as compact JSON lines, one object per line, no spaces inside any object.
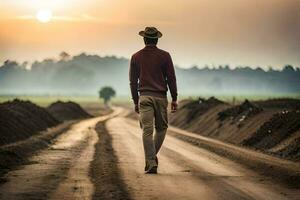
{"x":227,"y":67}
{"x":106,"y":93}
{"x":10,"y":64}
{"x":64,"y":56}
{"x":6,"y":62}
{"x":25,"y":65}
{"x":270,"y":69}
{"x":288,"y":69}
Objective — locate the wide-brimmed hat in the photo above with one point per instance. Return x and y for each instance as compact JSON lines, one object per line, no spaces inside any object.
{"x":150,"y":32}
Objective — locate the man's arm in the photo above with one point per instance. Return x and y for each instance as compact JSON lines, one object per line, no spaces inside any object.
{"x":133,"y":78}
{"x":171,"y":80}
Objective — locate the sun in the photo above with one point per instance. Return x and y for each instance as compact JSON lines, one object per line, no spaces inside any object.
{"x":44,"y":15}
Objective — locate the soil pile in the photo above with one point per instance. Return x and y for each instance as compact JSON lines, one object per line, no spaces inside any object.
{"x":67,"y":111}
{"x":282,"y":103}
{"x":199,"y":107}
{"x":22,"y":119}
{"x":272,"y":126}
{"x":195,"y":115}
{"x":291,"y":151}
{"x":240,"y":113}
{"x":277,"y":129}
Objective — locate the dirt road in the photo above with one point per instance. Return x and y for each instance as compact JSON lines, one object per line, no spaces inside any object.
{"x":186,"y":171}
{"x":60,"y":171}
{"x":73,"y":169}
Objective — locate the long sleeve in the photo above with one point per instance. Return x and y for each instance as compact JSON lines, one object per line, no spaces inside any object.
{"x":133,"y":79}
{"x":171,"y":78}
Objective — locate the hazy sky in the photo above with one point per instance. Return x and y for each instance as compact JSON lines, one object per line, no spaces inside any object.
{"x":235,"y":32}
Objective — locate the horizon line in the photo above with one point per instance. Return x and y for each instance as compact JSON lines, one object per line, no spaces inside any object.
{"x":204,"y":66}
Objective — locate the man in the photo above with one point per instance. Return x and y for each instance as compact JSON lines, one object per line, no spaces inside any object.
{"x":151,"y":72}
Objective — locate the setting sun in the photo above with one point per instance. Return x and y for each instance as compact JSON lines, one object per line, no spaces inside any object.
{"x":44,"y":16}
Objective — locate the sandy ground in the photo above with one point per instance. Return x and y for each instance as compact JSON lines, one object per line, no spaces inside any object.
{"x":97,"y":161}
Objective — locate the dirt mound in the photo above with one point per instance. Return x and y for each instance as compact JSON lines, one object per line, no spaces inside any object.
{"x":281,"y":103}
{"x":278,"y":128}
{"x":199,"y":107}
{"x":291,"y":151}
{"x":190,"y":112}
{"x":67,"y":111}
{"x":272,"y":126}
{"x":240,"y":113}
{"x":22,"y":119}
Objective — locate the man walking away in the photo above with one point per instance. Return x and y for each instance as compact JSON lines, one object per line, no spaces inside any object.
{"x":151,"y":72}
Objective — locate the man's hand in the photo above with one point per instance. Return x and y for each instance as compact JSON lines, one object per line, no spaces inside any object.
{"x":137,"y":108}
{"x":174,"y":106}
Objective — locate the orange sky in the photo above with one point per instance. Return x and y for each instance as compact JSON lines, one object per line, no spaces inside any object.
{"x":236,"y":32}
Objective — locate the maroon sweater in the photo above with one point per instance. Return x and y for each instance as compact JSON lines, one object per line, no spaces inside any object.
{"x":151,"y":71}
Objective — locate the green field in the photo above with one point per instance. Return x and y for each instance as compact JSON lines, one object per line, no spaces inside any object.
{"x":240,"y":98}
{"x":46,"y":100}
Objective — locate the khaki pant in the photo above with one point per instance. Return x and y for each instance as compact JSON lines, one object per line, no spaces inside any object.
{"x":153,"y":111}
